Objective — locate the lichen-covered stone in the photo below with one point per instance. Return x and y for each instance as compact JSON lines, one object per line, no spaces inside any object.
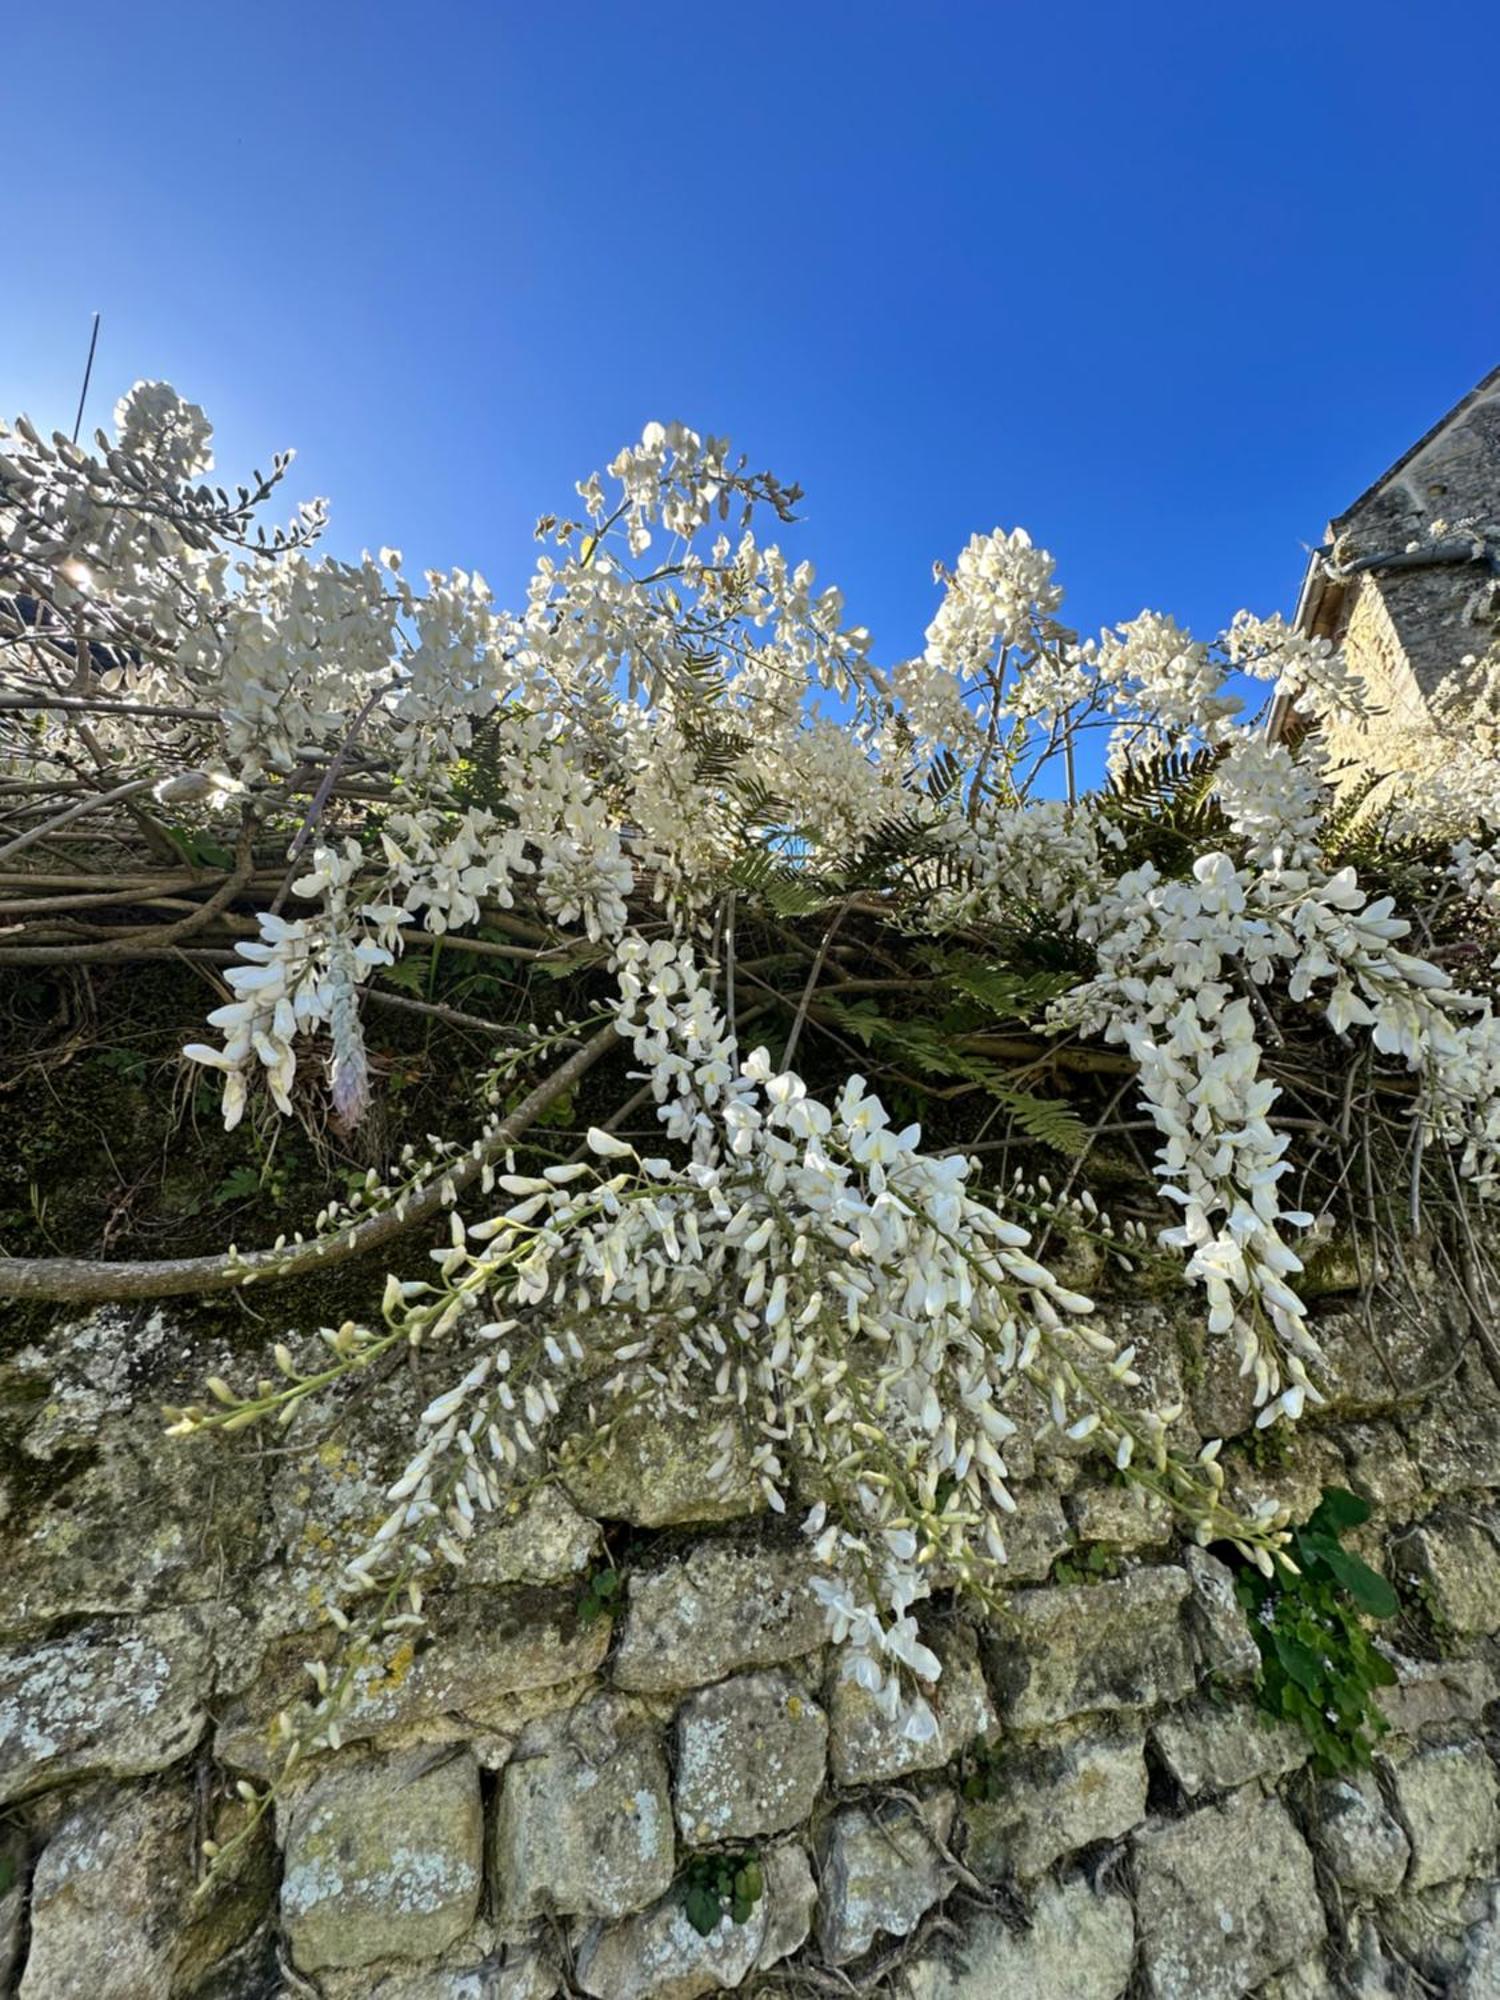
{"x":496,"y":1659}
{"x":1307,"y":1466}
{"x":583,"y":1825}
{"x":1221,"y":1632}
{"x":1310,"y":1980}
{"x":1453,"y":1564}
{"x":1050,"y":1799}
{"x":751,"y":1754}
{"x":1212,"y":1748}
{"x":1381,"y":1469}
{"x":1079,"y":1945}
{"x":722,"y":1608}
{"x":546,"y":1540}
{"x":648,"y":1461}
{"x":1066,"y":1652}
{"x":134,"y":1524}
{"x":1359,"y":1842}
{"x":866,"y":1747}
{"x":1035,"y":1535}
{"x":117,"y":1698}
{"x":114,"y":1915}
{"x":1435,"y":1694}
{"x":881,"y":1871}
{"x":383,"y":1858}
{"x":1224,"y":1898}
{"x":658,"y":1955}
{"x":476,"y":1966}
{"x":1446,"y":1797}
{"x":1367,"y":1373}
{"x":1124,"y":1517}
{"x":1456,"y":1439}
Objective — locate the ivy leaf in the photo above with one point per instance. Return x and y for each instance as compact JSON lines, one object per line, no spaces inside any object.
{"x":1366,"y":1586}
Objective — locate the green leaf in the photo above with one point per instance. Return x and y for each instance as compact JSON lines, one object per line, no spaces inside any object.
{"x":1366,"y":1586}
{"x":702,"y":1909}
{"x":1301,"y":1664}
{"x":1339,"y":1509}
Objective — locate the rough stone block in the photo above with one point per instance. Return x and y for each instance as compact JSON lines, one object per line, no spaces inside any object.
{"x":583,"y":1826}
{"x":1126,"y":1517}
{"x":1456,"y":1439}
{"x":1359,"y":1842}
{"x":1079,"y":1945}
{"x":1381,"y":1469}
{"x":1446,"y":1796}
{"x":1224,"y":1899}
{"x":1051,"y":1799}
{"x":546,"y":1540}
{"x":1369,"y":1374}
{"x":750,"y":1758}
{"x":1035,"y":1535}
{"x":1210,"y":1748}
{"x":1066,"y":1652}
{"x":1431,"y":1694}
{"x":116,"y":1698}
{"x":867,"y":1748}
{"x":1453,"y":1564}
{"x":384,"y":1859}
{"x":660,"y":1956}
{"x":719,"y":1610}
{"x":1225,"y":1644}
{"x":660,"y":1466}
{"x":495,"y":1658}
{"x":881,"y":1872}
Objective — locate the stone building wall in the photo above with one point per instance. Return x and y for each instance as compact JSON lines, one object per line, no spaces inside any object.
{"x":517,"y":1806}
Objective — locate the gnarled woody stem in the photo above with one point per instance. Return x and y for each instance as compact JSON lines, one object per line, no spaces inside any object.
{"x":82,"y":1281}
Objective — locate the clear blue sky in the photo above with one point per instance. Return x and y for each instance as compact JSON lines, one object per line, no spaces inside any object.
{"x":1165,"y":283}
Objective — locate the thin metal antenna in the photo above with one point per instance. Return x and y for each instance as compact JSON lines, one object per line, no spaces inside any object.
{"x":88,"y":371}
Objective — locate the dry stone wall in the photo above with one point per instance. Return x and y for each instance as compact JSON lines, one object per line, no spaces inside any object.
{"x":522,"y":1799}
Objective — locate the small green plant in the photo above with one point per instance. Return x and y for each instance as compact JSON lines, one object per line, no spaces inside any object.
{"x":1319,"y":1667}
{"x":718,"y":1884}
{"x":1089,"y":1565}
{"x":600,"y":1595}
{"x":985,"y":1778}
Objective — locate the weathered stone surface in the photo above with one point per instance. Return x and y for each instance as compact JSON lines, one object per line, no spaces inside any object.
{"x":1211,"y":1748}
{"x":1035,"y":1535}
{"x":494,"y":1657}
{"x":1308,"y":1981}
{"x":1050,"y":1799}
{"x":659,"y":1956}
{"x":1356,"y":1838}
{"x":1429,"y":1929}
{"x":881,"y":1872}
{"x":1381,"y":1469}
{"x":1452,"y":1563}
{"x":1221,"y":1631}
{"x":476,"y":1967}
{"x":1065,"y":1652}
{"x":1125,"y":1517}
{"x":721,"y":1609}
{"x":384,"y":1858}
{"x":866,"y":1747}
{"x":1078,"y":1946}
{"x":546,"y":1540}
{"x":583,"y":1826}
{"x":1224,"y":1899}
{"x":751,"y":1754}
{"x":113,"y":1910}
{"x":1367,"y":1373}
{"x":135,"y":1523}
{"x":1446,"y":1797}
{"x":660,"y":1466}
{"x":121,"y":1698}
{"x":1436,"y":1693}
{"x":1479,"y":1975}
{"x":1309,"y":1463}
{"x":1456,"y":1439}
